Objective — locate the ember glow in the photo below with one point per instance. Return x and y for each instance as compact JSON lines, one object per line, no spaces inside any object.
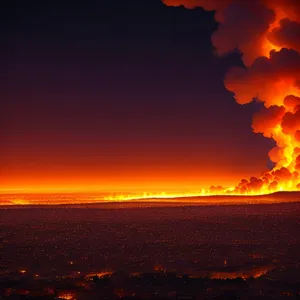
{"x":268,"y":38}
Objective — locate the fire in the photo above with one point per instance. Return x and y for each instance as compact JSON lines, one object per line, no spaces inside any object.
{"x":20,"y":202}
{"x":158,"y":196}
{"x":172,"y":196}
{"x":100,"y":274}
{"x":67,"y":295}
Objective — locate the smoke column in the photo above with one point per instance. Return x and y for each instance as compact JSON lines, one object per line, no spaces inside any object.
{"x":267,"y":33}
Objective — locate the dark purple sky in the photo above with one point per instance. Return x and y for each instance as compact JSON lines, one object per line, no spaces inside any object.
{"x":118,"y":95}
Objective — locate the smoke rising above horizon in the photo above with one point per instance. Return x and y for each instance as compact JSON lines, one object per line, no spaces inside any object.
{"x":267,"y":34}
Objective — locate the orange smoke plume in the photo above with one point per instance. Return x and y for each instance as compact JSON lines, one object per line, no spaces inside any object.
{"x":267,"y":33}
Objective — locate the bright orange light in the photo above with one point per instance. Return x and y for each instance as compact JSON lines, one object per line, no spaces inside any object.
{"x":267,"y":47}
{"x":66,"y":296}
{"x":100,"y":274}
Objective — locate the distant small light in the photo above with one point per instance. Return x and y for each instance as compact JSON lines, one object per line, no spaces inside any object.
{"x":22,"y":271}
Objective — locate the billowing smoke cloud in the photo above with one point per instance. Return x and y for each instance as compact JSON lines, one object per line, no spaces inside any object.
{"x":267,"y":33}
{"x":208,"y":5}
{"x":287,"y":35}
{"x":254,"y":27}
{"x":254,"y":18}
{"x":268,"y":79}
{"x":265,"y":120}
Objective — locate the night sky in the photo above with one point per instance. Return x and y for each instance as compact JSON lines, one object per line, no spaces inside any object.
{"x":119,"y":96}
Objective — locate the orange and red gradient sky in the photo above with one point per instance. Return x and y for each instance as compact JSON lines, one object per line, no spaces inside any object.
{"x":119,"y":96}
